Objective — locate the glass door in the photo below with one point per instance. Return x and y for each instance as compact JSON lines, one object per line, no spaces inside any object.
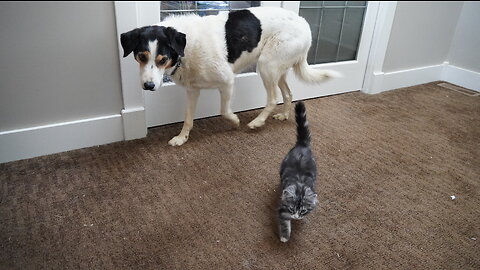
{"x":341,"y":37}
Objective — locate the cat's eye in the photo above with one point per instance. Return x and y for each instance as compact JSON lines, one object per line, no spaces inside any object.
{"x":303,"y":212}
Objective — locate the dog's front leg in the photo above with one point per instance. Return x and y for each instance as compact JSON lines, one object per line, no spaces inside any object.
{"x":225,"y":109}
{"x":192,"y":98}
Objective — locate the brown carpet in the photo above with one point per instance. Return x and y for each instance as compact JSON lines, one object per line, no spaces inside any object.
{"x":388,"y":164}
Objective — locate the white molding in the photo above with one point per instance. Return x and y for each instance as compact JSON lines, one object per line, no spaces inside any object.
{"x":382,"y":81}
{"x":378,"y":49}
{"x":48,"y":139}
{"x":127,"y":18}
{"x":366,"y":40}
{"x":461,"y":77}
{"x":134,"y":123}
{"x":405,"y":78}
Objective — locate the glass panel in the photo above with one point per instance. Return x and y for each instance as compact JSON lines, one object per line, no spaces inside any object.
{"x":329,"y":35}
{"x":334,"y":3}
{"x":336,"y":29}
{"x":177,"y":5}
{"x":314,"y":4}
{"x":352,"y":28}
{"x":222,"y":5}
{"x":313,"y":18}
{"x":356,"y":3}
{"x":243,"y":4}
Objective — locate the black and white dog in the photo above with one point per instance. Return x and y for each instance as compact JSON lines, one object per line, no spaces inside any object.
{"x":206,"y":52}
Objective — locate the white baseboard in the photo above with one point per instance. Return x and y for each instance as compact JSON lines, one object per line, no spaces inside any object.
{"x":445,"y":72}
{"x":134,"y":123}
{"x":461,"y":77}
{"x":48,"y":139}
{"x":392,"y":80}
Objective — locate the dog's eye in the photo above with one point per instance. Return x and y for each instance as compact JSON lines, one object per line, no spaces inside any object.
{"x":142,"y":57}
{"x":162,"y":61}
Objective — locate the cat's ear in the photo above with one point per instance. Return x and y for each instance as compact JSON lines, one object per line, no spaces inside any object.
{"x":289,"y":192}
{"x":311,"y":196}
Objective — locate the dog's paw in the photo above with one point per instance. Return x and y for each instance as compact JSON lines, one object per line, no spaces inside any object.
{"x":178,"y":140}
{"x":256,"y":123}
{"x":234,"y":119}
{"x":281,"y":116}
{"x":283,"y":239}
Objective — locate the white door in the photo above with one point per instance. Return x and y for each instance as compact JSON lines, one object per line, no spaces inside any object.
{"x":341,"y":32}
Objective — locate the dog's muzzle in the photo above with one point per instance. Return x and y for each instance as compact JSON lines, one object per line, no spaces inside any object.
{"x":149,"y":86}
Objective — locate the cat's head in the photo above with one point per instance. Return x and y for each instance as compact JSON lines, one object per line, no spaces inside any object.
{"x":298,"y":201}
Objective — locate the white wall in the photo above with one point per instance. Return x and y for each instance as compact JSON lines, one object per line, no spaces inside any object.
{"x":425,"y":42}
{"x":59,"y":62}
{"x":60,"y":86}
{"x":465,"y":47}
{"x":421,"y":34}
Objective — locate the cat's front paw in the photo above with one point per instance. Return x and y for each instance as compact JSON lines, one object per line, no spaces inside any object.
{"x":283,"y":239}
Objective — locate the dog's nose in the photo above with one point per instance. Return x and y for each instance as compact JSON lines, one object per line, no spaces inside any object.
{"x":149,"y":85}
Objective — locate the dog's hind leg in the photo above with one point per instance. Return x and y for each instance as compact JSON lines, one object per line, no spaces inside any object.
{"x":192,"y":98}
{"x":270,"y":77}
{"x":287,"y":98}
{"x":225,"y":109}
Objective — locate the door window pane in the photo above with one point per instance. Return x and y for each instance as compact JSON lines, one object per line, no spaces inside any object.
{"x":202,"y":8}
{"x":329,"y":36}
{"x":351,"y":34}
{"x":336,"y":29}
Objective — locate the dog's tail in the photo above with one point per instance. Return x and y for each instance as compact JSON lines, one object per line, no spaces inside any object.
{"x":311,"y":75}
{"x":303,"y":132}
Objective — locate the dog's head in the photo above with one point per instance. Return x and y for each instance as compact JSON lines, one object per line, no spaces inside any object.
{"x":155,"y":48}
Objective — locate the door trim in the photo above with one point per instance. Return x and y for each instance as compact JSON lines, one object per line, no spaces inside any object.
{"x":133,"y":112}
{"x":381,"y":35}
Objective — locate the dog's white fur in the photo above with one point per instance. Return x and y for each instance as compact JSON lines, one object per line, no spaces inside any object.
{"x":284,"y":43}
{"x":150,"y":72}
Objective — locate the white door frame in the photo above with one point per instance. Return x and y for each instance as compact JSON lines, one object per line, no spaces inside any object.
{"x":128,"y":17}
{"x":372,"y":83}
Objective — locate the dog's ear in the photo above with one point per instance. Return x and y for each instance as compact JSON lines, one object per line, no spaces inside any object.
{"x":129,"y":41}
{"x":177,"y":40}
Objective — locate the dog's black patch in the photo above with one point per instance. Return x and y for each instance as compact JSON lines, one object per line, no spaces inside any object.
{"x":242,"y":32}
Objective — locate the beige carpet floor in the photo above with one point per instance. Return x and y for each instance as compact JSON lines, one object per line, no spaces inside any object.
{"x":387,"y":166}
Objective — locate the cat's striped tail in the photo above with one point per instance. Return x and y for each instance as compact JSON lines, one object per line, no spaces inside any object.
{"x":303,"y":133}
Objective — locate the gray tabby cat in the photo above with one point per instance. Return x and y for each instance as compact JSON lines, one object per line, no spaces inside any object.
{"x":298,"y":174}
